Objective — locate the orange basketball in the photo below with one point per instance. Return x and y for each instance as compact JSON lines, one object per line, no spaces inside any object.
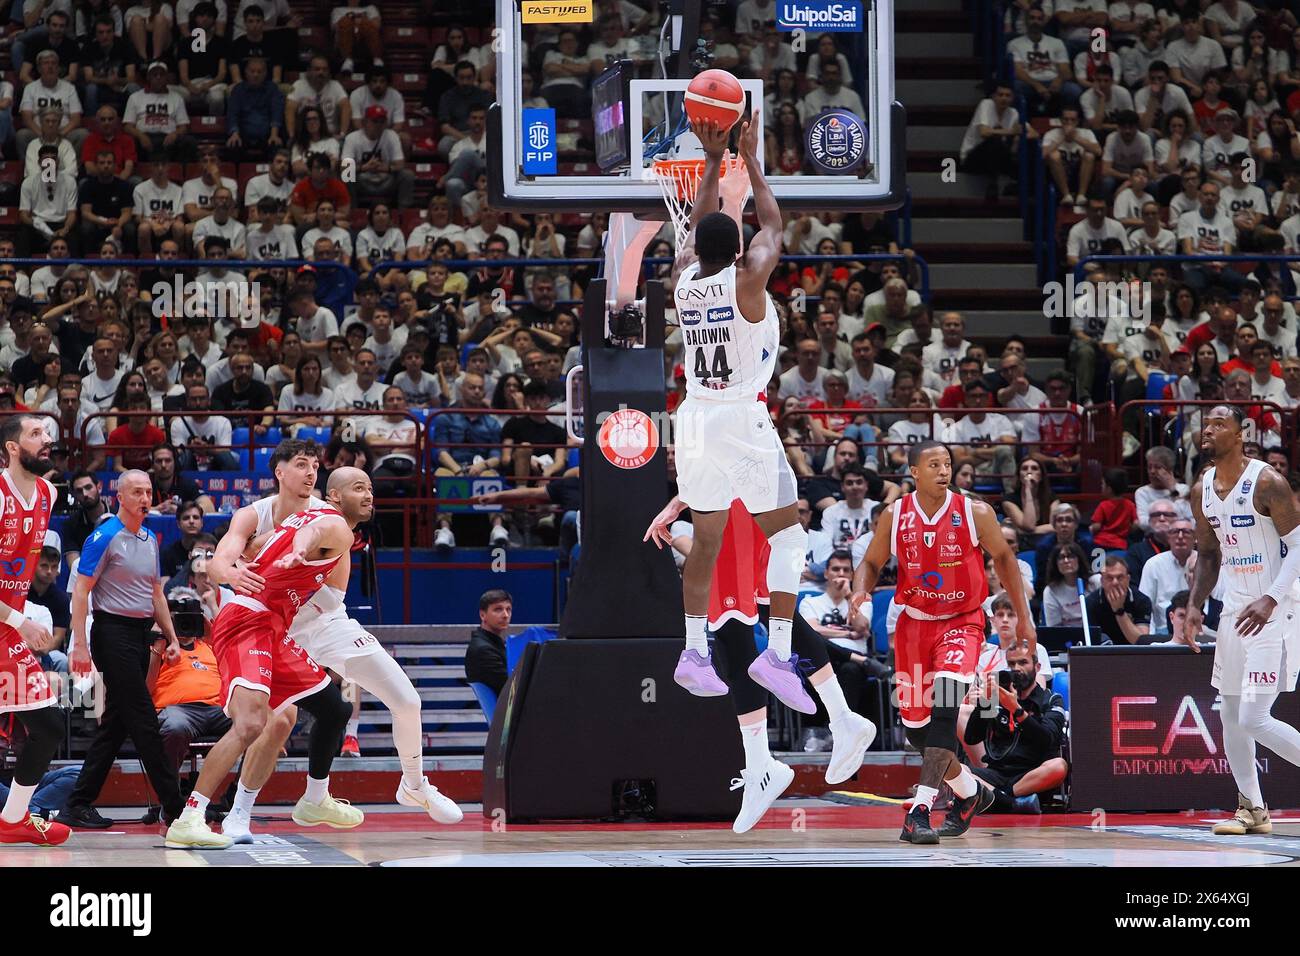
{"x":715,"y":95}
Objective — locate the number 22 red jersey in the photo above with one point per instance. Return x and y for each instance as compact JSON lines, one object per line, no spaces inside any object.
{"x":286,"y":590}
{"x":940,"y":561}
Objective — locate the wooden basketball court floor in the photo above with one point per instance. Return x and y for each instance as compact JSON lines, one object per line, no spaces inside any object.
{"x":796,"y":832}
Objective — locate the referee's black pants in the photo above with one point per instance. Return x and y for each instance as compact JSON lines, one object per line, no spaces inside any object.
{"x":119,"y":647}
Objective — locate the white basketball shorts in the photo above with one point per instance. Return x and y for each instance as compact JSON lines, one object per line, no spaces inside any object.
{"x":730,"y":450}
{"x":333,"y":639}
{"x":1267,"y":661}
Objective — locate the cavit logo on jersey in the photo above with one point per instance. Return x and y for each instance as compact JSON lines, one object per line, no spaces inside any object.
{"x":1243,"y":521}
{"x":628,"y":438}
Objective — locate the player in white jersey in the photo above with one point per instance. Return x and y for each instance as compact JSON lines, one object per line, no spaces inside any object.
{"x":1248,"y":529}
{"x":726,"y":445}
{"x":322,"y":628}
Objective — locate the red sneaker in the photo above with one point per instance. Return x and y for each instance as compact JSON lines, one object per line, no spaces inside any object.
{"x":34,"y":830}
{"x":351,"y":747}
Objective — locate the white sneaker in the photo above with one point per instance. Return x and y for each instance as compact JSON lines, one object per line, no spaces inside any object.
{"x":851,"y":735}
{"x":444,"y":540}
{"x":190,"y":831}
{"x":237,"y":826}
{"x":499,"y":537}
{"x":762,"y":788}
{"x":338,"y":814}
{"x":428,"y":798}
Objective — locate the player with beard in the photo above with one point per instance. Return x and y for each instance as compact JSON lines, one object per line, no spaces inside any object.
{"x":1247,"y":527}
{"x":26,"y":503}
{"x":937,"y":536}
{"x":264,"y":670}
{"x":331,"y":638}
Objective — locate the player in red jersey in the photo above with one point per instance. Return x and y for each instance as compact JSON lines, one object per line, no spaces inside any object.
{"x":265,"y":670}
{"x":739,"y":598}
{"x":936,"y":536}
{"x":26,"y":502}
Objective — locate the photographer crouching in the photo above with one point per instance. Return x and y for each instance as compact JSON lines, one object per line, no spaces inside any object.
{"x":1021,"y":725}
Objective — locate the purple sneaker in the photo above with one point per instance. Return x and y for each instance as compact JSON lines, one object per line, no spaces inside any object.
{"x":695,"y":672}
{"x":782,"y":679}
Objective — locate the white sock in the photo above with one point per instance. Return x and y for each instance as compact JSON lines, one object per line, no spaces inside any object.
{"x":18,"y":803}
{"x":244,"y":799}
{"x":695,"y":635}
{"x":832,"y":695}
{"x":317,"y":790}
{"x":925,"y":797}
{"x":778,"y":637}
{"x":1239,"y":748}
{"x":964,"y":784}
{"x":413,"y":771}
{"x":197,"y":803}
{"x":754,"y":737}
{"x":353,"y":726}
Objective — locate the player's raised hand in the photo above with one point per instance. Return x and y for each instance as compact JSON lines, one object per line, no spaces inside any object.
{"x":711,"y":136}
{"x":748,"y":141}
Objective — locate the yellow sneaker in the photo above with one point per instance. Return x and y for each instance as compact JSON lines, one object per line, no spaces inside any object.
{"x":338,"y":814}
{"x":190,"y":831}
{"x":1248,"y":819}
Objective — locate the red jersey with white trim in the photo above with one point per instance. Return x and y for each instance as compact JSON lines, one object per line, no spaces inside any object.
{"x":286,"y":590}
{"x":940,"y":561}
{"x":740,"y":573}
{"x":22,"y":533}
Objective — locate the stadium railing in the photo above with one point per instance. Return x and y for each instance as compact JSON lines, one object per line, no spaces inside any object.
{"x":649,"y":265}
{"x":1080,"y":269}
{"x":1085,"y":481}
{"x":1167,"y":421}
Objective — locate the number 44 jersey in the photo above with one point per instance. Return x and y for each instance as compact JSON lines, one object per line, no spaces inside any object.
{"x":724,"y":351}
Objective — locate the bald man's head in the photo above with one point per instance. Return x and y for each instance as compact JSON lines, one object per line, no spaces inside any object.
{"x":349,"y":490}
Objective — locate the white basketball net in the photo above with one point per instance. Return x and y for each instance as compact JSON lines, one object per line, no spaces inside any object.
{"x":679,"y":182}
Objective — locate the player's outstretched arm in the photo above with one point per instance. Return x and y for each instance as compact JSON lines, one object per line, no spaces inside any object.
{"x":765,"y":248}
{"x":866,"y":574}
{"x":1004,"y":559}
{"x":713,"y":139}
{"x":323,"y":538}
{"x":1204,"y":576}
{"x":1273,"y":498}
{"x":227,"y":565}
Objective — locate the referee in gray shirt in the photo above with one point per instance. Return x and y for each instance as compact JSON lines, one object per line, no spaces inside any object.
{"x":119,"y":566}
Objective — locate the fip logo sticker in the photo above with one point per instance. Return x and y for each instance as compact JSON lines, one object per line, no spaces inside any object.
{"x":540,"y":156}
{"x":837,"y":141}
{"x":820,"y":15}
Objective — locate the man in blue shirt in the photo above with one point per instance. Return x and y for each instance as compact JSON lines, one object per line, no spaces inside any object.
{"x":255,"y":112}
{"x":119,"y":566}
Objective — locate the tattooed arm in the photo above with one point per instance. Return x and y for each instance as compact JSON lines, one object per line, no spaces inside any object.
{"x":1273,"y":498}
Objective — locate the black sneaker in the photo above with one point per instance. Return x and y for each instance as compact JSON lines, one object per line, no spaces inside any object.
{"x":917,"y":829}
{"x":83,"y":818}
{"x":964,"y":811}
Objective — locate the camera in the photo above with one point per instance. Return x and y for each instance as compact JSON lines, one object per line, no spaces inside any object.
{"x":625,"y":326}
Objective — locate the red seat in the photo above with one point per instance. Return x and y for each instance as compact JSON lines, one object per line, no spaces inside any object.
{"x":437,"y":37}
{"x":430,"y":171}
{"x":408,"y":219}
{"x":409,"y":83}
{"x":401,"y":37}
{"x":359,"y":219}
{"x":209,"y":126}
{"x":11,"y":172}
{"x":8,"y":216}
